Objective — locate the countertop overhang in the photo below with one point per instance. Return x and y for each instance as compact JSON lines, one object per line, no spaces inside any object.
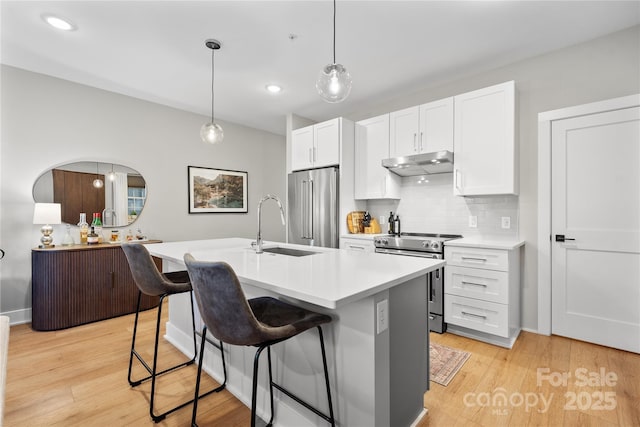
{"x":330,"y":278}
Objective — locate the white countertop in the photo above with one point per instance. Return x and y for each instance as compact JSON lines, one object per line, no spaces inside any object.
{"x":329,"y":278}
{"x":487,"y":243}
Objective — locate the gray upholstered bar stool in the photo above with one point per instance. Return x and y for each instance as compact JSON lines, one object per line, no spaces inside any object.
{"x":152,"y":282}
{"x":259,"y":322}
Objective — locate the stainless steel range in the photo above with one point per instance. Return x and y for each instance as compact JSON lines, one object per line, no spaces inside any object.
{"x":427,"y":245}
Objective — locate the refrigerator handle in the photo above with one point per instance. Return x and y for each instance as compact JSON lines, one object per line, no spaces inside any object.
{"x":303,"y":211}
{"x":311,"y":212}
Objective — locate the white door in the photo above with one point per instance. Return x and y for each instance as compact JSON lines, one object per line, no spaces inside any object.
{"x":596,"y":203}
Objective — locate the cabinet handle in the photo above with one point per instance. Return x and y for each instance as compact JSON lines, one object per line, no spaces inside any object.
{"x":361,"y":248}
{"x":468,"y":258}
{"x":421,"y":138}
{"x":480,"y":316}
{"x":414,"y":142}
{"x":473,"y":283}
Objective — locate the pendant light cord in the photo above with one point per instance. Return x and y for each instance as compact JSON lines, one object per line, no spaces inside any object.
{"x":334,"y":31}
{"x":213,"y":74}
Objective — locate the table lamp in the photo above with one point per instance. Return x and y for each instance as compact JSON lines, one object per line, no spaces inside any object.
{"x":47,"y":214}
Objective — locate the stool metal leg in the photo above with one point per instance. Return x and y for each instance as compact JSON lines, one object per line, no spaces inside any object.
{"x":254,"y":388}
{"x":153,"y":370}
{"x":332,"y":419}
{"x":270,"y":386}
{"x":199,"y":374}
{"x":329,"y":418}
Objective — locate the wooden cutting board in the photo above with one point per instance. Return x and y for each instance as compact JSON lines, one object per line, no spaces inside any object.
{"x":354,"y":222}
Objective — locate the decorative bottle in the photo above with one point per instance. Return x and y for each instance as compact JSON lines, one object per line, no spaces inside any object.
{"x":396,"y":225}
{"x":96,"y":224}
{"x":92,"y":237}
{"x":84,"y":228}
{"x":390,"y":228}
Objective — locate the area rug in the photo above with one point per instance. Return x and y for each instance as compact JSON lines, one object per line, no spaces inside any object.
{"x":445,"y":362}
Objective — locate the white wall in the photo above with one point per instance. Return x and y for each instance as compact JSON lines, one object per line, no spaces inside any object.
{"x":431,"y":207}
{"x":47,"y":122}
{"x":607,"y":67}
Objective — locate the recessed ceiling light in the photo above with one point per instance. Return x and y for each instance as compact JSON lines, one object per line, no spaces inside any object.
{"x":59,"y":23}
{"x":273,"y":88}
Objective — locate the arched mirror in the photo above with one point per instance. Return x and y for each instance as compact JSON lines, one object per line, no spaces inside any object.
{"x":116,"y":191}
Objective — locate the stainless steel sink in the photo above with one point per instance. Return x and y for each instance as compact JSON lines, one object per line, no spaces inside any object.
{"x":288,"y":251}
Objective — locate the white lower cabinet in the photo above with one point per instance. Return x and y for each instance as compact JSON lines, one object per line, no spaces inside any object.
{"x":482,"y":293}
{"x":353,"y":244}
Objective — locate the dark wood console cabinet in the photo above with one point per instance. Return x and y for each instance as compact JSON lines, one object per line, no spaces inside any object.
{"x":81,"y":284}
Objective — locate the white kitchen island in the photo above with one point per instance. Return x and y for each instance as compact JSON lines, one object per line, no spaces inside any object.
{"x":378,"y":377}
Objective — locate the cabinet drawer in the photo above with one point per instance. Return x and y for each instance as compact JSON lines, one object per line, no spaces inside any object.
{"x":357,"y":245}
{"x":487,"y":285}
{"x":482,"y":316}
{"x":491,"y":259}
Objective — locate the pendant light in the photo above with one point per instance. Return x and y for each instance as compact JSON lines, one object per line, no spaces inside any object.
{"x":334,"y":81}
{"x":212,"y":132}
{"x":97,"y":183}
{"x":112,"y":174}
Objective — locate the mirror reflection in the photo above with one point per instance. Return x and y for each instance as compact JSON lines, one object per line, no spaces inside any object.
{"x":116,"y":191}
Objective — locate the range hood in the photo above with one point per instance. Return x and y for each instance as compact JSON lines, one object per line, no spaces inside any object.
{"x":421,"y":164}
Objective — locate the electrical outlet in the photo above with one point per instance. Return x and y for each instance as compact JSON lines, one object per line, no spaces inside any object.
{"x":506,"y":222}
{"x":382,"y":219}
{"x":382,"y":316}
{"x":473,"y":221}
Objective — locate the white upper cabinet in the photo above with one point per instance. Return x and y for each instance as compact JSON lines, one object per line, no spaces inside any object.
{"x":485,"y":149}
{"x":302,"y":148}
{"x":372,"y":180}
{"x":422,"y":129}
{"x":316,"y":146}
{"x":403,"y":131}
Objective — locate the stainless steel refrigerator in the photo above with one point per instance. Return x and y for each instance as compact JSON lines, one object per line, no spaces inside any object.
{"x":313,"y":207}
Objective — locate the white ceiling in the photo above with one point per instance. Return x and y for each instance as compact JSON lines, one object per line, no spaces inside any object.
{"x":154,"y":50}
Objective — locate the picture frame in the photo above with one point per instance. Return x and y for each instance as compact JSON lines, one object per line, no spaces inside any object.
{"x":217,"y":190}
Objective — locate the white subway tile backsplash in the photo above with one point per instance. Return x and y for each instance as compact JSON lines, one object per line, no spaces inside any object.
{"x":431,"y":207}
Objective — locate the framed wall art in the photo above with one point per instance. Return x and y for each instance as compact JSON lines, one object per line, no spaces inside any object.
{"x":217,"y":190}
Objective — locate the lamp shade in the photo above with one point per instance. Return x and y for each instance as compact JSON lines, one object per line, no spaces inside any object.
{"x":47,"y":213}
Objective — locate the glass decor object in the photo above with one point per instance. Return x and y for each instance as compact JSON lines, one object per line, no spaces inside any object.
{"x":68,"y":239}
{"x":334,"y":81}
{"x":212,"y":132}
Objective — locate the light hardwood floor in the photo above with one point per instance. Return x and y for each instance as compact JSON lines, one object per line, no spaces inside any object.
{"x":77,"y":377}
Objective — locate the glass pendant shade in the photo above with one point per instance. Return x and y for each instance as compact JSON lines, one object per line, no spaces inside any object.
{"x":334,"y":83}
{"x":211,"y":133}
{"x":97,"y":183}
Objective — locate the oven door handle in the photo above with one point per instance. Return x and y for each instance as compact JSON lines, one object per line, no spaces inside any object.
{"x":409,"y":253}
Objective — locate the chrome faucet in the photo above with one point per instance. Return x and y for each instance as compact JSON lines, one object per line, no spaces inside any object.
{"x":258,"y":243}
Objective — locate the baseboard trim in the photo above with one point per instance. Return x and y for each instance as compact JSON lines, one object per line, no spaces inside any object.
{"x":18,"y":317}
